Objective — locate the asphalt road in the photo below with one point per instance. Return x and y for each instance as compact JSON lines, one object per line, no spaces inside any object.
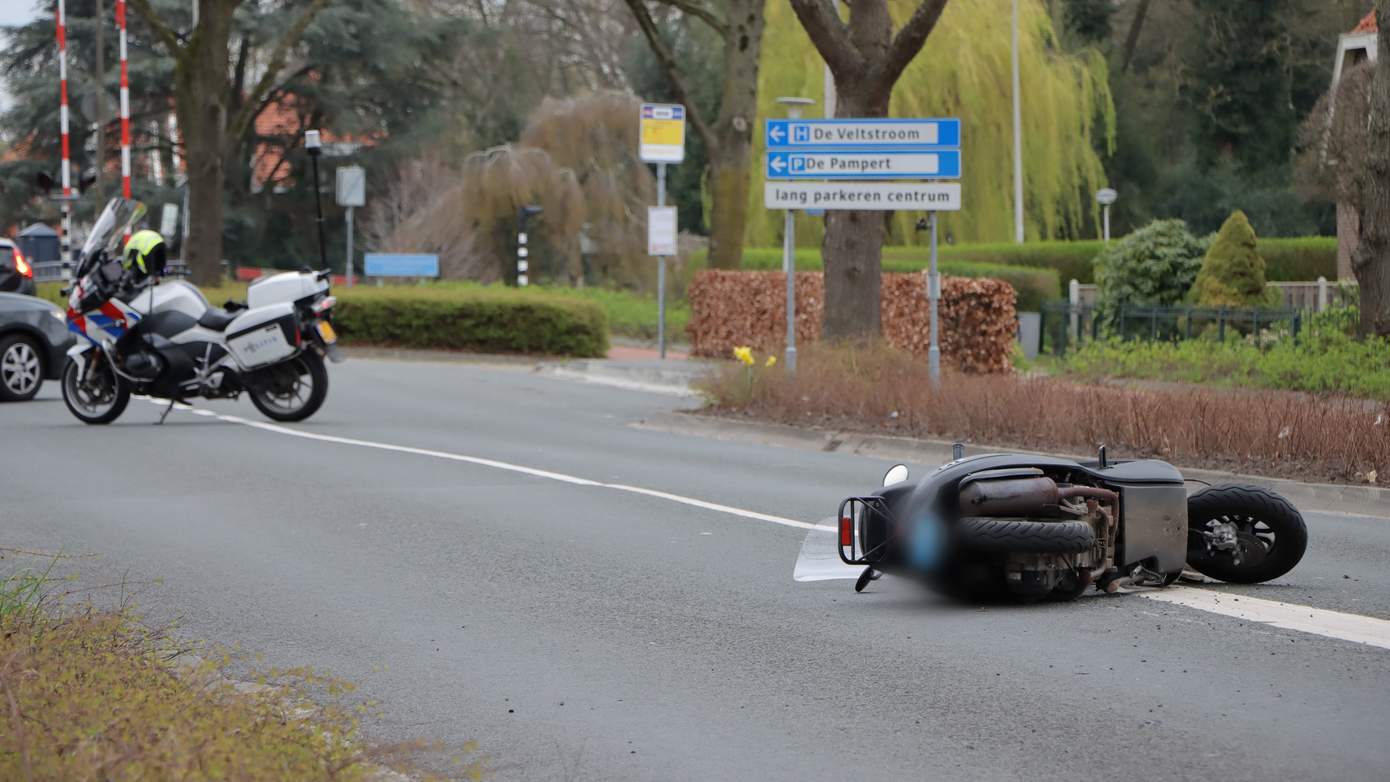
{"x":576,"y":611}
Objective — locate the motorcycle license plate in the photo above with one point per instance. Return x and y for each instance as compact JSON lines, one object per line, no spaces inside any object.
{"x":326,"y":332}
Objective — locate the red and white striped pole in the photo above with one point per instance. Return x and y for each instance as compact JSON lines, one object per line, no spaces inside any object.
{"x":125,"y":104}
{"x":63,"y":127}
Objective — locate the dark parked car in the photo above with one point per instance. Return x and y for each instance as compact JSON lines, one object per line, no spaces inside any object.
{"x":34,"y":341}
{"x":16,"y":274}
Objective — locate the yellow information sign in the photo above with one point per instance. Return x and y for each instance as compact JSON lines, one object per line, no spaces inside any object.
{"x":662,"y":133}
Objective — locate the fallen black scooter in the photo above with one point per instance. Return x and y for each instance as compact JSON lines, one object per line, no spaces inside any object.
{"x":1029,"y":528}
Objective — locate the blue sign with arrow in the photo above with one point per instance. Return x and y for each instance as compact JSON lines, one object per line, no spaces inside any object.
{"x":862,"y":133}
{"x":864,"y":165}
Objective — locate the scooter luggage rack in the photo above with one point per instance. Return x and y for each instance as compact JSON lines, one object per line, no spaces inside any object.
{"x":855,"y":513}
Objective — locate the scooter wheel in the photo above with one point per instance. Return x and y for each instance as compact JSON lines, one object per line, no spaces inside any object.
{"x":987,"y":533}
{"x":1269,"y":531}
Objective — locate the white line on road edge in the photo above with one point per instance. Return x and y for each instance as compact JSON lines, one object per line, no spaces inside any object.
{"x":456,"y":457}
{"x":623,"y":383}
{"x":1331,"y":624}
{"x":1305,"y":619}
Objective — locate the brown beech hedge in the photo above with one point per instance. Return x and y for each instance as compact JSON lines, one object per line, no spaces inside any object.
{"x":731,"y":308}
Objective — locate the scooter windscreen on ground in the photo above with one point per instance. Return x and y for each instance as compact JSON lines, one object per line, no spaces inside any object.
{"x":819,"y":559}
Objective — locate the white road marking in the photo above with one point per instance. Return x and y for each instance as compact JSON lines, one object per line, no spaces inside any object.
{"x":624,"y":383}
{"x":1289,"y":616}
{"x":493,"y":463}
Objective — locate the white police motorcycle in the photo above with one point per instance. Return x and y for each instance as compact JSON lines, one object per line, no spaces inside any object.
{"x":163,"y":339}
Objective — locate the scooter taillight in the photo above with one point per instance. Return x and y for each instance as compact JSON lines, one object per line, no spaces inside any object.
{"x":866,"y":527}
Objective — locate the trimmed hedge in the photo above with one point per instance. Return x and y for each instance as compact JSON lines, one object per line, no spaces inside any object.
{"x":1034,"y":285}
{"x":1301,"y":259}
{"x":732,"y":308}
{"x":484,"y":320}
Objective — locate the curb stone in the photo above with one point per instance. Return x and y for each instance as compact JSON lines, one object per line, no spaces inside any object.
{"x":1312,"y":497}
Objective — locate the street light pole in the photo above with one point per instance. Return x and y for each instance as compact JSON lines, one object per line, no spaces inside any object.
{"x":794,"y":106}
{"x":1105,"y":197}
{"x":313,"y":144}
{"x":1018,"y":138}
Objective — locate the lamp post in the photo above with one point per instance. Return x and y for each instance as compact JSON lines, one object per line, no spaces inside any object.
{"x":313,"y":144}
{"x":794,"y":106}
{"x":1018,"y":137}
{"x":1105,"y":197}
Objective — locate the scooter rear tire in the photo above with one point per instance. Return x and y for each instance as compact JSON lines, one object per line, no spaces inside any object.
{"x":1024,"y":536}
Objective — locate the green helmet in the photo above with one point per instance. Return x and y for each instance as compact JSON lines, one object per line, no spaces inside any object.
{"x":145,"y":252}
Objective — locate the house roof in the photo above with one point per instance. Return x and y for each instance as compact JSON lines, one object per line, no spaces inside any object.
{"x":1367,"y":25}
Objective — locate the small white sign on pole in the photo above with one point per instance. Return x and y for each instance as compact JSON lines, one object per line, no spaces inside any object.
{"x":661,"y":230}
{"x":351,"y":187}
{"x":169,"y":219}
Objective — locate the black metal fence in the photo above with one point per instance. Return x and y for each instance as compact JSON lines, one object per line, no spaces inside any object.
{"x":1066,"y":327}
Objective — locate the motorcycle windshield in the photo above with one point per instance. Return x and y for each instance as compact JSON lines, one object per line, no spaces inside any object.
{"x":819,"y":559}
{"x":116,"y":220}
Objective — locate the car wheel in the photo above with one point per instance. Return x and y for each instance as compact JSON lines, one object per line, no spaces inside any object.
{"x":21,"y":368}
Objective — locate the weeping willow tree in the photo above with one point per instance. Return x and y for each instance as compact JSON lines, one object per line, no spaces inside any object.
{"x":576,"y":159}
{"x":595,"y":138}
{"x":965,"y":71}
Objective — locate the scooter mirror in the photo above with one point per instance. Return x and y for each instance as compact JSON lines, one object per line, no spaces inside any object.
{"x":896,"y":474}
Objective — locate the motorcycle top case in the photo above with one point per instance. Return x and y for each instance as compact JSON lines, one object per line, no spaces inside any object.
{"x":264,"y":335}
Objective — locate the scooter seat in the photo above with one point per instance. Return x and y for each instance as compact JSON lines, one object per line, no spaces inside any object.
{"x":216,"y":319}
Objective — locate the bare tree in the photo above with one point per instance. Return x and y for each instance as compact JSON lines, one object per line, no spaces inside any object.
{"x":728,"y":137}
{"x":866,"y":58}
{"x":214,"y":111}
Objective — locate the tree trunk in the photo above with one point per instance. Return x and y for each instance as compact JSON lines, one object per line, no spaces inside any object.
{"x":200,"y":91}
{"x":730,"y":167}
{"x":729,"y":170}
{"x":866,"y":59}
{"x":1371,"y":263}
{"x":853,"y":246}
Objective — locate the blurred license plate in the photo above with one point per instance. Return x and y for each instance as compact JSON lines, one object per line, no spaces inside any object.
{"x":326,"y":331}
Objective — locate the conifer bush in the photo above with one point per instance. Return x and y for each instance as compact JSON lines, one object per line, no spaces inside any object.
{"x":1233,"y":273}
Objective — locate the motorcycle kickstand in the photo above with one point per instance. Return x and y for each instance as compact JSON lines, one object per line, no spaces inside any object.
{"x":868,"y":575}
{"x":167,"y":411}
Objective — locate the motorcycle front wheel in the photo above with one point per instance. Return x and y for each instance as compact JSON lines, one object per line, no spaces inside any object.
{"x":1243,"y":534}
{"x":100,"y":398}
{"x":293,"y":390}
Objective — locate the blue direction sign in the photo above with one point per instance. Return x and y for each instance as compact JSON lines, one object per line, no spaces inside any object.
{"x":883,"y":164}
{"x":401,"y":265}
{"x":862,"y":133}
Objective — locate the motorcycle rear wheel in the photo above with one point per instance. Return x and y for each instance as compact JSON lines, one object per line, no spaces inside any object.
{"x":1270,"y":532}
{"x":294,"y":390}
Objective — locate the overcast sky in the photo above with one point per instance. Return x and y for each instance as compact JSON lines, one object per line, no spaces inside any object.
{"x":14,"y":12}
{"x":20,"y":11}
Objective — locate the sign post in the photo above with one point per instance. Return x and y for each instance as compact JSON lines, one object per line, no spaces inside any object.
{"x":661,"y":134}
{"x":794,"y":106}
{"x":855,"y":163}
{"x":351,"y":192}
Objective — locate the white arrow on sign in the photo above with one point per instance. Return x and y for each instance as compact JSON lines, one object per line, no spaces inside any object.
{"x":776,"y":133}
{"x":778,"y":164}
